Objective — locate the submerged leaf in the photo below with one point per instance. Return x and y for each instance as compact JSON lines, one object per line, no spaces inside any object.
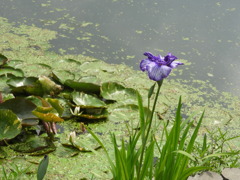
{"x":10,"y":125}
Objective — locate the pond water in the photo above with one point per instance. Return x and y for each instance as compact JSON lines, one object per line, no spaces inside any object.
{"x":206,"y":33}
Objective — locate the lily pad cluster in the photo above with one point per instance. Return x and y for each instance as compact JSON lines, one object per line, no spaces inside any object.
{"x":36,"y":102}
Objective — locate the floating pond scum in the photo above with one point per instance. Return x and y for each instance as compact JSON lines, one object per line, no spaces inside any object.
{"x":41,"y":91}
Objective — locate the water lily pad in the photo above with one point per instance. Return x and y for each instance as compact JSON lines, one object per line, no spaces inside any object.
{"x":20,"y":106}
{"x":3,"y":82}
{"x":34,"y":144}
{"x":28,"y":85}
{"x":49,"y":86}
{"x":21,"y":81}
{"x":30,"y":122}
{"x":3,"y":154}
{"x":56,"y":105}
{"x":93,"y":115}
{"x":10,"y":125}
{"x":96,"y":66}
{"x":47,"y":117}
{"x":87,"y":101}
{"x":117,"y":92}
{"x":124,"y":112}
{"x":36,"y":69}
{"x":87,"y":87}
{"x":62,"y":75}
{"x":15,"y":63}
{"x":70,"y":61}
{"x":3,"y":60}
{"x":11,"y":70}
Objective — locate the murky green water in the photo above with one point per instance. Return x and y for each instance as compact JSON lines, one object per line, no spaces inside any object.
{"x":120,"y":31}
{"x":206,"y":33}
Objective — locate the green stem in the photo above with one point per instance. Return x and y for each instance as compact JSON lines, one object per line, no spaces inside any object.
{"x":149,"y":128}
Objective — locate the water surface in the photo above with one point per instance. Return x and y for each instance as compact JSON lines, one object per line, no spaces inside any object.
{"x":206,"y":33}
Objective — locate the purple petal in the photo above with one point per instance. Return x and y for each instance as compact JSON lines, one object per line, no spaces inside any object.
{"x":175,"y":64}
{"x":143,"y":64}
{"x":149,"y":55}
{"x":157,"y":72}
{"x":169,"y":58}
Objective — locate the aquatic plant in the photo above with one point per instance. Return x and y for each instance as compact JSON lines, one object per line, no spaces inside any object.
{"x":136,"y":158}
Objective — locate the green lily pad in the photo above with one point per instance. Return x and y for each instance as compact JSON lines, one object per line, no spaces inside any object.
{"x":96,"y":66}
{"x":3,"y":154}
{"x":92,"y":115}
{"x":56,"y":105}
{"x":10,"y":125}
{"x":87,"y":101}
{"x":49,"y":86}
{"x":21,"y":81}
{"x":117,"y":92}
{"x":30,"y":122}
{"x":3,"y":82}
{"x":20,"y":106}
{"x":87,"y":87}
{"x":90,"y":79}
{"x":44,"y":109}
{"x":35,"y":145}
{"x":36,"y":69}
{"x":124,"y":112}
{"x":47,"y":117}
{"x":62,"y":75}
{"x":28,"y":85}
{"x":11,"y":70}
{"x":70,"y":61}
{"x":15,"y":63}
{"x":3,"y":60}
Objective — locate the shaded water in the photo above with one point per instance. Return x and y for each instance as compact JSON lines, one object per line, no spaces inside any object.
{"x":206,"y":33}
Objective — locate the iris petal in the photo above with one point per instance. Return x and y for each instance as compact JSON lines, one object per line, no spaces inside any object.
{"x":143,"y":64}
{"x":149,"y":55}
{"x":175,"y":64}
{"x":157,"y":72}
{"x":158,"y":67}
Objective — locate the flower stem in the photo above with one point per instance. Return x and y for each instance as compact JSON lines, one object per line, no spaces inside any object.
{"x":148,"y":128}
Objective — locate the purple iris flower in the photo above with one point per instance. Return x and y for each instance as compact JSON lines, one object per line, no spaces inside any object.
{"x":158,"y":67}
